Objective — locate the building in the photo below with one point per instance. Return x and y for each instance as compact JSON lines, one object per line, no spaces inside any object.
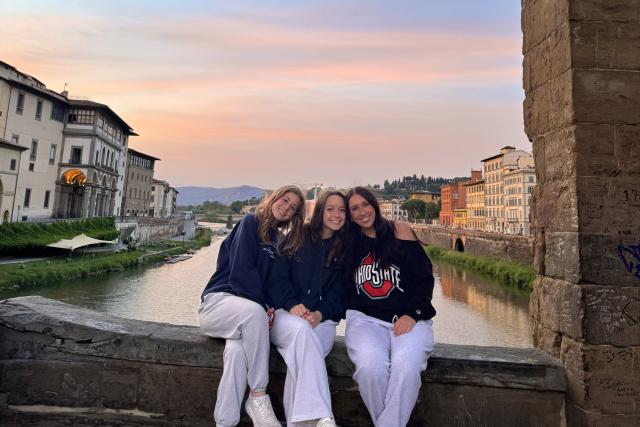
{"x":73,"y":165}
{"x":494,"y":168}
{"x":10,"y":155}
{"x":475,"y":205}
{"x":391,"y":210}
{"x":454,"y":197}
{"x":138,"y":183}
{"x":32,"y":116}
{"x":159,"y":190}
{"x":518,"y":187}
{"x":460,"y":218}
{"x":92,"y":161}
{"x":425,"y":196}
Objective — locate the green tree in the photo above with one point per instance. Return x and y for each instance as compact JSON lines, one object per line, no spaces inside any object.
{"x":415,"y":208}
{"x":431,"y":210}
{"x":236,"y":207}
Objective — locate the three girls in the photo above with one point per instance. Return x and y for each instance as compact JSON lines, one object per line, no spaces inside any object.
{"x":234,"y":306}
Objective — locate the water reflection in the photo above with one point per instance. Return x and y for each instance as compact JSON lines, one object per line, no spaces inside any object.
{"x":474,"y":310}
{"x":471,"y":309}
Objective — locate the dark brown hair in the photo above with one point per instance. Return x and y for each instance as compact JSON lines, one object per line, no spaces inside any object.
{"x":385,"y":241}
{"x":315,"y":226}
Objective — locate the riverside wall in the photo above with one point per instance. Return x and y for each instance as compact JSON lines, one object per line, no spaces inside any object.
{"x":143,"y":230}
{"x":493,"y":245}
{"x":64,"y":365}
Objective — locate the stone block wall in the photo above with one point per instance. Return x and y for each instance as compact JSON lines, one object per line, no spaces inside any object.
{"x":581,"y":75}
{"x":63,"y":365}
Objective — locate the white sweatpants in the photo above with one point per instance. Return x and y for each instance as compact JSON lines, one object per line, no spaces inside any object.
{"x":244,"y":324}
{"x":303,"y":348}
{"x":388,"y":368}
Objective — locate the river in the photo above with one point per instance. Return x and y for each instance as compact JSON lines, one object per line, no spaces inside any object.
{"x":471,"y":308}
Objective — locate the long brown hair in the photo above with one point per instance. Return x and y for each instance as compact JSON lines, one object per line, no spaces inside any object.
{"x":315,"y":226}
{"x":385,"y":241}
{"x":290,"y":235}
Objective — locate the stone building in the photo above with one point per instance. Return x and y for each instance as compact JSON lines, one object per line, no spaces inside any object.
{"x":475,"y":205}
{"x":494,"y":169}
{"x":454,"y":197}
{"x":10,"y":155}
{"x":91,"y":168}
{"x":163,"y":199}
{"x":138,"y":182}
{"x":32,"y":116}
{"x":519,"y":182}
{"x":391,"y":210}
{"x":425,"y":196}
{"x":460,"y":218}
{"x":74,"y":162}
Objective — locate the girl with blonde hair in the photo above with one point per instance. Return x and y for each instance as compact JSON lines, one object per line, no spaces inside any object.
{"x":234,"y":306}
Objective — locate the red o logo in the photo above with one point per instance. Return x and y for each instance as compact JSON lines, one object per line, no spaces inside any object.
{"x":379,"y":290}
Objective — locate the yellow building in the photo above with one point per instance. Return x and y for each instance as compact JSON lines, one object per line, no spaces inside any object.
{"x":475,"y":205}
{"x":460,"y":218}
{"x":425,"y":196}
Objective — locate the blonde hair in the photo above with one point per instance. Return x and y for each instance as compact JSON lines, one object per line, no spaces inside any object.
{"x":290,"y":234}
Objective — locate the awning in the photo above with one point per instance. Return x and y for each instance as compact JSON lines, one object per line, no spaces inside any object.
{"x":78,"y":242}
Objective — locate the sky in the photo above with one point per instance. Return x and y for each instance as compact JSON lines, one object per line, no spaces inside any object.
{"x":268,"y":93}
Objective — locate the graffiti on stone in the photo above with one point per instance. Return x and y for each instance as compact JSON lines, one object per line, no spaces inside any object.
{"x":630,"y":256}
{"x":631,"y":196}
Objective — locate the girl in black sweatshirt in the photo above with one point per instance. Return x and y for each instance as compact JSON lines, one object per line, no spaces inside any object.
{"x":307,"y":291}
{"x":389,"y":334}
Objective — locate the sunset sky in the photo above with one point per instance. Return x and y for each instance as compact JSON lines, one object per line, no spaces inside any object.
{"x":273,"y":92}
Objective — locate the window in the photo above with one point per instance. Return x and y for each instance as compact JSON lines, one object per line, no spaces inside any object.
{"x":82,"y":117}
{"x":27,"y":197}
{"x":31,"y":166}
{"x":57,"y":112}
{"x":76,"y":155}
{"x":97,"y":158}
{"x":12,"y":165}
{"x":39,"y":110}
{"x":47,"y":194}
{"x":52,"y":153}
{"x":34,"y":149}
{"x":15,"y":138}
{"x":20,"y":105}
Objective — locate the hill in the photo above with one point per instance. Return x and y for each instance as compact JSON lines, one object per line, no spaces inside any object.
{"x":198,"y":195}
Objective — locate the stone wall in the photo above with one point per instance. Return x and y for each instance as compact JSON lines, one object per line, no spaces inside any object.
{"x":61,"y":364}
{"x":494,"y":245}
{"x":582,"y":113}
{"x":147,"y":229}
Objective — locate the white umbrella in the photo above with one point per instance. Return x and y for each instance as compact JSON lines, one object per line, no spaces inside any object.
{"x":78,"y":242}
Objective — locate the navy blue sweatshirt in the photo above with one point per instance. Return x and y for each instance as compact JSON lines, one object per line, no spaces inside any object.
{"x":405,"y":287}
{"x":243,"y":262}
{"x":304,"y":279}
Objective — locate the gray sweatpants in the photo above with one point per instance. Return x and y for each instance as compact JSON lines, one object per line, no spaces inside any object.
{"x":244,"y":324}
{"x":303,"y":348}
{"x":388,"y":368}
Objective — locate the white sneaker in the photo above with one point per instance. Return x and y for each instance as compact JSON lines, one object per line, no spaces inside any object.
{"x":326,"y":422}
{"x":260,"y":411}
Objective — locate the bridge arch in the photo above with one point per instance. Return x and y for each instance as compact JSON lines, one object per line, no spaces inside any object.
{"x":458,"y":246}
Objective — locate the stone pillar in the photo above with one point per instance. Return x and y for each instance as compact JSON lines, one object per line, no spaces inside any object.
{"x":582,"y":112}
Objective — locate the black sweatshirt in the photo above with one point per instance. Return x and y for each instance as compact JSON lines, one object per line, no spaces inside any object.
{"x":404,"y":287}
{"x":306,"y":279}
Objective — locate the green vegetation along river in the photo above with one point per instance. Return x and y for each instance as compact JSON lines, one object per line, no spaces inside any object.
{"x":471,"y":308}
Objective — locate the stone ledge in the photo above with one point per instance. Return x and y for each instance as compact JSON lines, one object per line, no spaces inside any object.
{"x":62,"y":365}
{"x":62,"y":331}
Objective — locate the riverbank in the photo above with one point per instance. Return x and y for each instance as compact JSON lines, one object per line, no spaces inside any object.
{"x":39,"y":273}
{"x":506,"y":273}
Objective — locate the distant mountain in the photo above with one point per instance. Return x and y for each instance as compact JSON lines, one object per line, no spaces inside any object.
{"x":199,"y":195}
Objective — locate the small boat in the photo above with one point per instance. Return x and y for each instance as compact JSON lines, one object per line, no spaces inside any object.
{"x":176,"y":258}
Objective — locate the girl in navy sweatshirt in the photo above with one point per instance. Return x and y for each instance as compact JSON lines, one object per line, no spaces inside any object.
{"x":389,"y":334}
{"x":234,"y":306}
{"x":307,"y":291}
